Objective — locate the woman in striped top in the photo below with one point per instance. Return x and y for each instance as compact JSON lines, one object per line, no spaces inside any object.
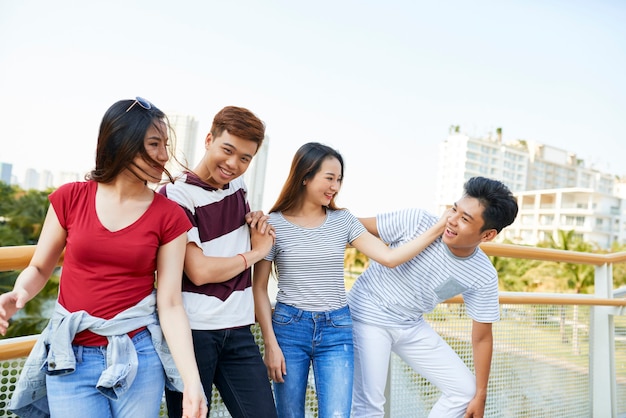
{"x":311,"y":323}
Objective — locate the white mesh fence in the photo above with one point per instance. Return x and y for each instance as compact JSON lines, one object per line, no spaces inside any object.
{"x":540,"y":366}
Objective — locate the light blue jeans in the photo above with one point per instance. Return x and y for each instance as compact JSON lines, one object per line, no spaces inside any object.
{"x":323,"y":339}
{"x":75,"y":394}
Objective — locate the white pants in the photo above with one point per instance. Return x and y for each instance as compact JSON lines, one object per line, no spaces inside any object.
{"x":423,"y":350}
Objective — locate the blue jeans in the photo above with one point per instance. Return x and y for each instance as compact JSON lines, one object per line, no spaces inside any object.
{"x":231,"y":360}
{"x":323,"y":339}
{"x":75,"y":394}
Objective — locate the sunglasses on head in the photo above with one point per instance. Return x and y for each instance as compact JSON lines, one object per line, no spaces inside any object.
{"x":141,"y":102}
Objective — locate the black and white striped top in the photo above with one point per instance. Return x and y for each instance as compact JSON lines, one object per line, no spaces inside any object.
{"x":310,"y":260}
{"x":398,"y":297}
{"x":218,"y":228}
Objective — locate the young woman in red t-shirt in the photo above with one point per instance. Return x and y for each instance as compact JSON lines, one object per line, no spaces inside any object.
{"x":119,"y":236}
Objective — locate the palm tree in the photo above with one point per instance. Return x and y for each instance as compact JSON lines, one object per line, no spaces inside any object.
{"x":512,"y":273}
{"x":619,"y":269}
{"x":579,"y":277}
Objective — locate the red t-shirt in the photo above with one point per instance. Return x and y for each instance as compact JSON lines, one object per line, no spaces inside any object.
{"x":105,"y":273}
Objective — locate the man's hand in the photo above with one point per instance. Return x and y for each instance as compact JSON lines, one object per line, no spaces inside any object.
{"x":261,"y":242}
{"x":475,"y":409}
{"x":256,"y":219}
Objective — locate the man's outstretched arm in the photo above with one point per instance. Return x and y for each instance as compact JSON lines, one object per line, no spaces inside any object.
{"x":482,"y":345}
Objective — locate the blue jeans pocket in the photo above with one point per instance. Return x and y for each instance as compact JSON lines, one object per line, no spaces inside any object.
{"x":282,"y":316}
{"x":343,"y":320}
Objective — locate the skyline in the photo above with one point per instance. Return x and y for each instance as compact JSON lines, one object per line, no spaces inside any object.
{"x":381,"y":83}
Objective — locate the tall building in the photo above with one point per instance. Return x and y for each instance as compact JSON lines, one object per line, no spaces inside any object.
{"x":6,"y":170}
{"x":46,"y":180}
{"x":552,"y":167}
{"x":186,"y":129}
{"x":594,"y":216}
{"x":462,"y":157}
{"x":555,"y":189}
{"x":255,"y":176}
{"x":31,"y":179}
{"x":63,"y":177}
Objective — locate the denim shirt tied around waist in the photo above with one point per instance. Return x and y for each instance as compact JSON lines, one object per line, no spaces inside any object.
{"x":53,"y":354}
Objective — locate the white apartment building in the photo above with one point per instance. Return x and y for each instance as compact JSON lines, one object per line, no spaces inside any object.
{"x":552,"y":167}
{"x":596,"y":217}
{"x":462,"y":157}
{"x":554,"y":188}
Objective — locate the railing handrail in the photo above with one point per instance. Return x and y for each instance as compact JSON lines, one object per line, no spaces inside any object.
{"x":21,"y":346}
{"x":551,"y":254}
{"x":532,"y":298}
{"x":17,"y":257}
{"x":17,"y":347}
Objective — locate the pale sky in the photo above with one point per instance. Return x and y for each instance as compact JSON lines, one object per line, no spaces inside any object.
{"x":381,"y":81}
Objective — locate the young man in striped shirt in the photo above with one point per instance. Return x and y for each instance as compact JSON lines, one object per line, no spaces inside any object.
{"x":217,"y":282}
{"x":387,"y":305}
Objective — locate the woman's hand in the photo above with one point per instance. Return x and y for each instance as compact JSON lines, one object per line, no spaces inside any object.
{"x":194,"y":402}
{"x":10,"y":303}
{"x":275,"y":362}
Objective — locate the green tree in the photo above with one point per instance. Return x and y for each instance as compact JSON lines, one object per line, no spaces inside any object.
{"x":7,"y":194}
{"x":354,"y":259}
{"x":578,"y":277}
{"x":619,"y":269}
{"x":28,"y":214}
{"x":354,"y":262}
{"x":512,"y":275}
{"x":21,"y":218}
{"x":21,"y":215}
{"x":8,"y":235}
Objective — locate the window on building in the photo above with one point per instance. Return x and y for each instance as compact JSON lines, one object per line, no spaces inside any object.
{"x":546,"y":219}
{"x":574,"y":220}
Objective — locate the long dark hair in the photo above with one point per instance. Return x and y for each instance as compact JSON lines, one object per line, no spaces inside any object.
{"x":305,"y":164}
{"x":121,"y":138}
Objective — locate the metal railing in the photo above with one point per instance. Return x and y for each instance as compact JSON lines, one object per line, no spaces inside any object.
{"x":555,"y":355}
